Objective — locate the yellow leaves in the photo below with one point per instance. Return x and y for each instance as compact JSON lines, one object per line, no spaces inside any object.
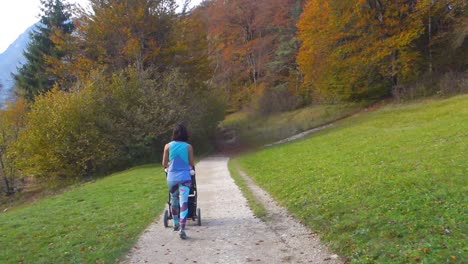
{"x":314,"y":33}
{"x":124,"y":33}
{"x":12,"y":119}
{"x":56,"y":123}
{"x":14,"y":112}
{"x":343,"y":40}
{"x":132,"y":48}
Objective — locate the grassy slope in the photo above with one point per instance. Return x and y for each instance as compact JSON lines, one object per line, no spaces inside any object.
{"x":259,"y":130}
{"x":382,"y":187}
{"x":96,"y":222}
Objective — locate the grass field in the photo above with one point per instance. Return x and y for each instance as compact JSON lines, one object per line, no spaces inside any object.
{"x":96,"y":222}
{"x":389,"y":186}
{"x":257,"y":130}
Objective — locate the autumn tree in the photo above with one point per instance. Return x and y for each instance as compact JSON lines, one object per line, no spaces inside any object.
{"x":283,"y":77}
{"x":366,"y":49}
{"x":70,"y":135}
{"x":11,"y":123}
{"x":118,"y":34}
{"x":244,"y":38}
{"x":348,"y":45}
{"x":33,"y":77}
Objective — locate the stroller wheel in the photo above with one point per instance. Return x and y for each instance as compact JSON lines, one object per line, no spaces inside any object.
{"x":199,"y":216}
{"x":166,"y":216}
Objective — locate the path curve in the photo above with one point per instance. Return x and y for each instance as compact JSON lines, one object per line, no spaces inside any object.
{"x":230,"y":233}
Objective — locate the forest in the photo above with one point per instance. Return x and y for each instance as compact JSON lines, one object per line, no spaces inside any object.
{"x":102,"y":87}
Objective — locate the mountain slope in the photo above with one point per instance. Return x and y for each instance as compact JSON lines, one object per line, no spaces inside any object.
{"x":10,"y":60}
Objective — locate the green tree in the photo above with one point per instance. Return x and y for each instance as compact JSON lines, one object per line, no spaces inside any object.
{"x":33,"y":77}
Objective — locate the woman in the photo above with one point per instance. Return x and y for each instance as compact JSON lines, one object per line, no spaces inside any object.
{"x":178,"y":160}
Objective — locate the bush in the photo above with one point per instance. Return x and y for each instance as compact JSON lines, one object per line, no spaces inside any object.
{"x":450,"y":83}
{"x":276,"y":99}
{"x":11,"y":122}
{"x":110,"y":123}
{"x":453,"y":83}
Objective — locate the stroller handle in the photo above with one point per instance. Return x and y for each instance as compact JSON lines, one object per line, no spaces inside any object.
{"x":192,"y":171}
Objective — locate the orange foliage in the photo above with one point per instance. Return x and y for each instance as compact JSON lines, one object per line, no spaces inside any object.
{"x":244,"y":35}
{"x":347,"y":45}
{"x":122,"y":33}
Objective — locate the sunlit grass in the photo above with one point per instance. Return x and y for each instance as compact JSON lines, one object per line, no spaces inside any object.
{"x":258,"y":130}
{"x":389,"y":186}
{"x":97,"y":222}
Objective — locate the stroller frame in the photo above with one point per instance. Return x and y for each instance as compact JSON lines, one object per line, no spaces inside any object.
{"x":194,"y":213}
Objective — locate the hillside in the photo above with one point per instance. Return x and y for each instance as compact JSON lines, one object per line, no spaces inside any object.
{"x":250,"y":129}
{"x":387,"y":186}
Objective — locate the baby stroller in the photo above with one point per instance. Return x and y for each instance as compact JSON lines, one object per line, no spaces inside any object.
{"x":194,"y":213}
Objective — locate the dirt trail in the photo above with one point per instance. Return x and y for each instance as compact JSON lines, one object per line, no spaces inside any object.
{"x":230,"y":233}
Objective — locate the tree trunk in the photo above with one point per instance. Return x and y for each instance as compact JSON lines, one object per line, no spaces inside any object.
{"x":253,"y":66}
{"x":8,"y":186}
{"x":396,"y":89}
{"x":429,"y":30}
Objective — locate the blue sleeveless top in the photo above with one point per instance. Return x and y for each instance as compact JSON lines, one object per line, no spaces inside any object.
{"x":179,"y":165}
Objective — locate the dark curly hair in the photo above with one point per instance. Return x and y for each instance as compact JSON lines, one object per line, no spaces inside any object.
{"x":180,"y":133}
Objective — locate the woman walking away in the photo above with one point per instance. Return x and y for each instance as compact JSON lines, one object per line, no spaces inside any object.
{"x":178,"y":160}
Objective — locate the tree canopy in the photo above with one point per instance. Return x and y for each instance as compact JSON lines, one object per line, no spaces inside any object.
{"x":364,"y":49}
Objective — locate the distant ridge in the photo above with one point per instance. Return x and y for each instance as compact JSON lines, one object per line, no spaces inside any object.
{"x":10,"y":59}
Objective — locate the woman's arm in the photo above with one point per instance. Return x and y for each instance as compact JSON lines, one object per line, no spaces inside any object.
{"x":191,"y":159}
{"x":165,"y":160}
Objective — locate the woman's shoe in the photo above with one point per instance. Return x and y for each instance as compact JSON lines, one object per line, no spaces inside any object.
{"x":182,"y":234}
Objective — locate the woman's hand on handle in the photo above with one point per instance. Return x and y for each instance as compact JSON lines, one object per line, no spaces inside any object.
{"x":191,"y":159}
{"x":165,"y":160}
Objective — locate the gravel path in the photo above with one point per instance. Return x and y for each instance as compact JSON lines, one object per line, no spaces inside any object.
{"x":300,"y":135}
{"x":230,"y":233}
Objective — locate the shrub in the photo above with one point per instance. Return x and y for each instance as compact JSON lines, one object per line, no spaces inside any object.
{"x":111,"y":123}
{"x":276,"y":99}
{"x":453,"y":83}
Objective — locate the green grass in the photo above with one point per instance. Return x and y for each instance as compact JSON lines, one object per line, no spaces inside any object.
{"x":259,"y":130}
{"x":96,"y":222}
{"x":389,"y":186}
{"x":257,"y":208}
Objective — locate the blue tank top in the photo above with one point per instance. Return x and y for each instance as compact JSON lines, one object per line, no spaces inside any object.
{"x":179,"y":165}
